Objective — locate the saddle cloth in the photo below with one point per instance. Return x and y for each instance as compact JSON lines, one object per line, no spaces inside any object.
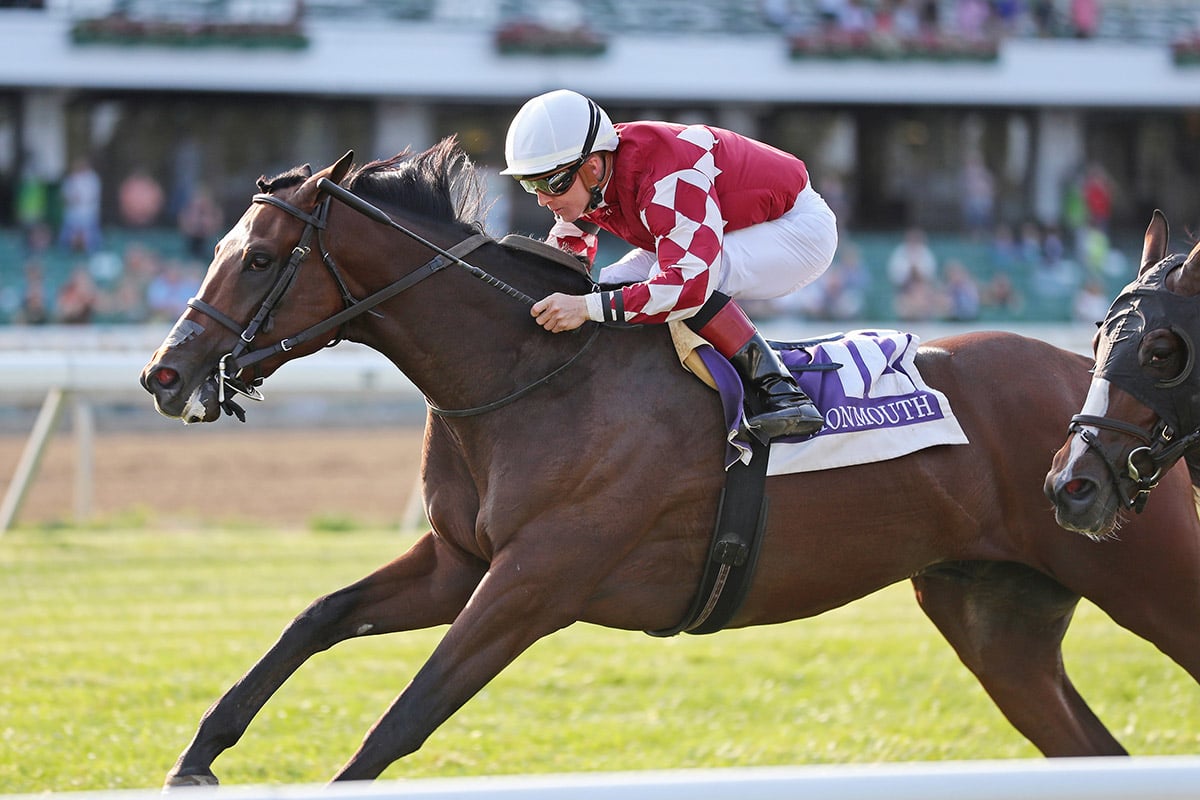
{"x":876,"y":405}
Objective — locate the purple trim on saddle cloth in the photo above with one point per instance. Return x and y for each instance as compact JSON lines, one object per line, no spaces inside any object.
{"x":876,"y":406}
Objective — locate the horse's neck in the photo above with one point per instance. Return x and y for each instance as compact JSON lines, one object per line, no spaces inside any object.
{"x":465,"y":343}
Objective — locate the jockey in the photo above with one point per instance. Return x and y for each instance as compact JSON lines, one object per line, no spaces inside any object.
{"x":712,"y":216}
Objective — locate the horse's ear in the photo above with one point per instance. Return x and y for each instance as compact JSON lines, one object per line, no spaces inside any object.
{"x":1154,"y":247}
{"x":1188,"y":280}
{"x":339,"y":170}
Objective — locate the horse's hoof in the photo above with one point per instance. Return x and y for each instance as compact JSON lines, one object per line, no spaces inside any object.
{"x":200,"y":779}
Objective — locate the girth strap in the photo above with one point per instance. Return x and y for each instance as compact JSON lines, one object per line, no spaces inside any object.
{"x":733,"y":554}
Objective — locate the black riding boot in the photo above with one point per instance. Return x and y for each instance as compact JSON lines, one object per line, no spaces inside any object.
{"x":784,"y":408}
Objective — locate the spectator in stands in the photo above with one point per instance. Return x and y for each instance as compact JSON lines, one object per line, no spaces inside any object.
{"x":1091,"y":303}
{"x":712,"y":216}
{"x":1085,"y":18}
{"x":33,"y":197}
{"x":845,"y":286}
{"x":81,"y":208}
{"x":972,"y":19}
{"x":1003,"y":251}
{"x":169,"y":291}
{"x":840,"y":294}
{"x":200,"y":222}
{"x":35,"y":306}
{"x":1045,"y":17}
{"x":911,"y":260}
{"x":1001,"y":295}
{"x":962,"y":293}
{"x":979,"y":195}
{"x":139,"y":199}
{"x":1098,"y":195}
{"x":77,"y":298}
{"x":920,"y":300}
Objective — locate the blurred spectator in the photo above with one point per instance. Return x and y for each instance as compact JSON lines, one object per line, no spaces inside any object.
{"x":1008,"y":15}
{"x":1098,"y":195}
{"x":972,"y":18}
{"x":1093,"y":250}
{"x":35,"y":307}
{"x":169,"y":291}
{"x":1002,"y":296}
{"x":1003,"y":250}
{"x":911,"y":259}
{"x":33,"y":197}
{"x":77,"y":298}
{"x":856,"y":18}
{"x":1085,"y":18}
{"x":979,"y":195}
{"x":81,"y":208}
{"x":1055,"y":277}
{"x":139,"y":199}
{"x":840,"y":294}
{"x":200,"y":222}
{"x":1044,"y":17}
{"x":1029,"y":245}
{"x":962,"y":293}
{"x":1091,"y":303}
{"x":920,"y":300}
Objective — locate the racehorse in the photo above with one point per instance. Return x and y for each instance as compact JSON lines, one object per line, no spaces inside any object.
{"x":575,"y":477}
{"x":1140,"y":416}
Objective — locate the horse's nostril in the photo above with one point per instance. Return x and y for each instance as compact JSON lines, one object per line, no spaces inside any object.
{"x":165,"y":376}
{"x":1076,"y":486}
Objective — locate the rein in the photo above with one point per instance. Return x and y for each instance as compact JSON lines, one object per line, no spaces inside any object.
{"x":233,"y":363}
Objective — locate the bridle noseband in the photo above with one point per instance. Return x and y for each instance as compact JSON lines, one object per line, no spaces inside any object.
{"x":231,"y":365}
{"x":1160,"y":449}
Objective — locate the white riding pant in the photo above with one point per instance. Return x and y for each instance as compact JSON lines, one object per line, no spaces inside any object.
{"x":764,"y":261}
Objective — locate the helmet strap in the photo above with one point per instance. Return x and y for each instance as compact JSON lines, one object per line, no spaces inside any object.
{"x":595,"y":186}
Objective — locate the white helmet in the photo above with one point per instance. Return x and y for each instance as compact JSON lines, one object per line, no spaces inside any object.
{"x":554,"y":129}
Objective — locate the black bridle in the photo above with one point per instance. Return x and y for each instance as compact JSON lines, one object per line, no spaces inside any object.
{"x":231,"y":365}
{"x":1160,"y":449}
{"x":1146,"y":304}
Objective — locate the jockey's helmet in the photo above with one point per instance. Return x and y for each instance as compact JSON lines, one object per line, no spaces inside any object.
{"x":555,"y":129}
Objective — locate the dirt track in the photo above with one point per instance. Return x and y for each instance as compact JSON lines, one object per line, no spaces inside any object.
{"x":200,"y":476}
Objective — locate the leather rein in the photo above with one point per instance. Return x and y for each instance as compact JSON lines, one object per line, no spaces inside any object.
{"x":242,"y":355}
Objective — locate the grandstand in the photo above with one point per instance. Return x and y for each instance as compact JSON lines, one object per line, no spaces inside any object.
{"x":257,"y":87}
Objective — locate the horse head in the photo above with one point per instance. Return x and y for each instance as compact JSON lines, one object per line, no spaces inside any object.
{"x":214,"y":349}
{"x":1142,"y":412}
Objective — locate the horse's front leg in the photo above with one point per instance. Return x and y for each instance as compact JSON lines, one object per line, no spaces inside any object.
{"x":426,"y":586}
{"x":517,"y":603}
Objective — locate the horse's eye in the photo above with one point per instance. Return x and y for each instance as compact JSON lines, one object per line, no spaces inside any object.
{"x":259,"y":261}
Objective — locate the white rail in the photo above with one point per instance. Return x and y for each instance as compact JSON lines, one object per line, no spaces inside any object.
{"x":86,"y":376}
{"x":1150,"y":778}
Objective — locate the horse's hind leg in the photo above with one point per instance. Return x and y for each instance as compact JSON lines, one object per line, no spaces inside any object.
{"x":426,"y":586}
{"x":1007,"y":622}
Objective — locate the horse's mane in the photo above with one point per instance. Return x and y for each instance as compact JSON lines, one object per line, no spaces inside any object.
{"x":440,"y":183}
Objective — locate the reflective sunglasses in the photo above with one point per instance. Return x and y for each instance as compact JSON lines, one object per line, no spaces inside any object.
{"x":554,"y":183}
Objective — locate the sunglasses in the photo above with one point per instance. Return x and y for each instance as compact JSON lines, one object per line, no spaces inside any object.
{"x":554,"y":183}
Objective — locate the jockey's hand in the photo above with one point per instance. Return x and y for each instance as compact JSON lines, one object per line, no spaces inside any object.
{"x":560,"y":312}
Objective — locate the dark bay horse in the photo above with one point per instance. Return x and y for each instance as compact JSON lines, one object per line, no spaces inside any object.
{"x":575,"y":477}
{"x":1142,"y":412}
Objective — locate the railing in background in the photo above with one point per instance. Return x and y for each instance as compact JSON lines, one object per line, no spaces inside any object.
{"x":82,"y":378}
